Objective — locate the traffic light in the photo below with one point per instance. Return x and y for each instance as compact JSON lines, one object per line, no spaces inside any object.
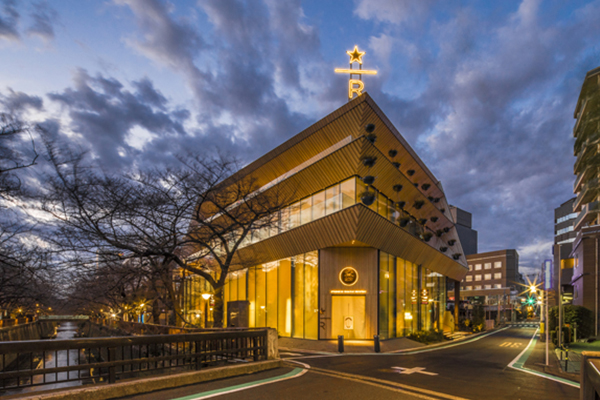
{"x":531,"y":301}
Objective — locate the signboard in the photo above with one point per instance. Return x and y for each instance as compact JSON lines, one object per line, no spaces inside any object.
{"x":424,"y":296}
{"x":348,"y":322}
{"x":348,"y":276}
{"x":413,"y":296}
{"x":356,"y":291}
{"x":547,"y":274}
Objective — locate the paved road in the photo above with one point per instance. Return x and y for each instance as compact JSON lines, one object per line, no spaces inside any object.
{"x":474,"y":370}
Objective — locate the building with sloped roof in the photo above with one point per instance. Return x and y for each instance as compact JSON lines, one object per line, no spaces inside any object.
{"x":366,"y":243}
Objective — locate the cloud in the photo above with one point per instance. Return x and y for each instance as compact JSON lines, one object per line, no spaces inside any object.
{"x":17,"y":102}
{"x":105,"y":117}
{"x":394,"y":11}
{"x":44,"y":17}
{"x":9,"y":21}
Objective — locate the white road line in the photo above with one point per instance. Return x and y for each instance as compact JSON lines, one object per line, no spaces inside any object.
{"x":536,"y":373}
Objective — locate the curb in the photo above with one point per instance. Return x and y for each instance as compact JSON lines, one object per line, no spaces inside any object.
{"x":426,"y":347}
{"x":146,"y":385}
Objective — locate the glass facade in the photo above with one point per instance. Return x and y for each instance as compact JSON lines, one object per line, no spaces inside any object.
{"x":433,"y":300}
{"x":282,"y":294}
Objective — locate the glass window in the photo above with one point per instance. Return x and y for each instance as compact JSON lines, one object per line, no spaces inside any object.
{"x":470,"y":267}
{"x":468,"y":287}
{"x":348,"y":189}
{"x":311,"y":295}
{"x":497,"y":286}
{"x":252,"y":296}
{"x":332,"y":199}
{"x":477,"y":277}
{"x":298,"y":271}
{"x":487,"y":286}
{"x":294,"y":215}
{"x":400,"y":298}
{"x":318,"y":201}
{"x":382,"y":207}
{"x":498,"y":275}
{"x":284,"y":220}
{"x":487,"y":277}
{"x":478,"y":287}
{"x":487,"y":265}
{"x":305,"y":211}
{"x":498,"y":264}
{"x":284,"y":322}
{"x":469,"y":278}
{"x":271,"y":289}
{"x":477,"y":267}
{"x":261,"y":287}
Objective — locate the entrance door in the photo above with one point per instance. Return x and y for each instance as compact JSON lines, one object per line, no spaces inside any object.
{"x":348,"y":317}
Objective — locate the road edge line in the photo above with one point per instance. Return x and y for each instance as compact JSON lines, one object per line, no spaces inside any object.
{"x":521,"y":365}
{"x":295,"y":373}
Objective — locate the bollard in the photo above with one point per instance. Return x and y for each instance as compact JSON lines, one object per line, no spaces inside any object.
{"x":377,"y":347}
{"x":567,"y":361}
{"x":341,"y":343}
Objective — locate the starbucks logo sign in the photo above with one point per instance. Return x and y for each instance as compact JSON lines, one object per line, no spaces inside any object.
{"x":348,"y":276}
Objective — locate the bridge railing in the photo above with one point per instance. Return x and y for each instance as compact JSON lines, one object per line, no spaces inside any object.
{"x":109,"y":359}
{"x":590,"y":375}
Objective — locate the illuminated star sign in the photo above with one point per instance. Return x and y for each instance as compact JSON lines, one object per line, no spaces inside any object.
{"x":355,"y":85}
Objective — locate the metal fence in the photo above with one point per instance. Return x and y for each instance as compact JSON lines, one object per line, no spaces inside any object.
{"x":109,"y":359}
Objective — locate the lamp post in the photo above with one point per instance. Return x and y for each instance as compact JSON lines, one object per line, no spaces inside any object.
{"x":206,"y":296}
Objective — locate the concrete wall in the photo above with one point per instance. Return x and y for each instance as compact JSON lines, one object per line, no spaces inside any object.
{"x":32,"y":331}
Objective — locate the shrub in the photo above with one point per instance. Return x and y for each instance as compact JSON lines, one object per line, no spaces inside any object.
{"x":579,"y":315}
{"x":427,"y":337}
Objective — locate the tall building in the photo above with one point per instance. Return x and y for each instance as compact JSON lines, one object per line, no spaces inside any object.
{"x":586,"y":279}
{"x":564,"y":236}
{"x":366,"y":243}
{"x":467,"y":235}
{"x":491,"y":274}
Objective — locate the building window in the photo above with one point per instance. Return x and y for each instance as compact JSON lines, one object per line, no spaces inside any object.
{"x":498,"y":275}
{"x":477,"y":267}
{"x":478,"y":287}
{"x":468,"y":287}
{"x":497,"y":286}
{"x":470,"y":267}
{"x":487,"y":286}
{"x":469,"y":278}
{"x":487,"y":266}
{"x":564,"y":230}
{"x":498,"y":264}
{"x":477,"y":277}
{"x":566,"y":218}
{"x":487,"y":277}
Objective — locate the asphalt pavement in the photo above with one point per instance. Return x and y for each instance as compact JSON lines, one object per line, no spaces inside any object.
{"x":475,"y":369}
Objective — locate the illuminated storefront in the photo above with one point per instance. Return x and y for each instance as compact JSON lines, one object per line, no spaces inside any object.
{"x":364,"y":248}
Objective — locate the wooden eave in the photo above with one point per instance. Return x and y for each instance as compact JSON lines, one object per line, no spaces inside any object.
{"x":354,"y":223}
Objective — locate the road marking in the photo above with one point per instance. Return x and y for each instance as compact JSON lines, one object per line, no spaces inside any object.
{"x":410,"y":371}
{"x":511,"y":344}
{"x":389,"y":385}
{"x":295,"y":373}
{"x":519,"y":364}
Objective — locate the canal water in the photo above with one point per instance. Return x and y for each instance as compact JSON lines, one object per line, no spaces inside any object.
{"x":62,"y":358}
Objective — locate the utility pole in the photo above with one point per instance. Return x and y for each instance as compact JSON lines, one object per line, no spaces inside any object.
{"x":546,"y":326}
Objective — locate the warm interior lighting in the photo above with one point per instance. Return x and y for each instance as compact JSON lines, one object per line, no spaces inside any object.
{"x":355,"y":291}
{"x":206,"y":296}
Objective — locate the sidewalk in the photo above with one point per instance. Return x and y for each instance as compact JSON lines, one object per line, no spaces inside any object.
{"x":537,"y":361}
{"x":350,"y":346}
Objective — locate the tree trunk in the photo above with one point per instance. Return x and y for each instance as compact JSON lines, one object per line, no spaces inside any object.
{"x":218,"y":308}
{"x":156,"y":311}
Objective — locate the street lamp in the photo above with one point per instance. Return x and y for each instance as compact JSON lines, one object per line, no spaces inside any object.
{"x":206,"y":296}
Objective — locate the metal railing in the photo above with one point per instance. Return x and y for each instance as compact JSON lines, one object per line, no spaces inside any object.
{"x":109,"y":359}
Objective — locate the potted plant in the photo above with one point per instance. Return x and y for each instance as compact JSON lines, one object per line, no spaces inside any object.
{"x":427,"y":236}
{"x":410,"y":172}
{"x":418,"y":204}
{"x":425,"y":186}
{"x":368,"y":161}
{"x":397,"y":188}
{"x":370,"y":128}
{"x":367,"y":198}
{"x":392,"y":153}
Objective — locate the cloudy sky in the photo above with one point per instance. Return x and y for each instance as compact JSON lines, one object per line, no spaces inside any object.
{"x":483,"y":90}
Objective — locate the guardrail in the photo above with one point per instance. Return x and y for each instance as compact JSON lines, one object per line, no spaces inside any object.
{"x":109,"y":359}
{"x":590,"y":376}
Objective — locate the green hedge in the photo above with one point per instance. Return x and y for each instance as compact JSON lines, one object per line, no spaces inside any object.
{"x":427,"y":336}
{"x":579,"y":315}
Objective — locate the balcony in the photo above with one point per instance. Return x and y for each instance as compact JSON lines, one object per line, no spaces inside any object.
{"x":587,"y":173}
{"x":587,"y":194}
{"x":588,"y":213}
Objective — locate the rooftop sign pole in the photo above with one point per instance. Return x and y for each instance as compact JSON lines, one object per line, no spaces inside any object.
{"x":355,"y":85}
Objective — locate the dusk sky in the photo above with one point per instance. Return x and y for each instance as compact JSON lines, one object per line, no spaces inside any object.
{"x":483,"y":91}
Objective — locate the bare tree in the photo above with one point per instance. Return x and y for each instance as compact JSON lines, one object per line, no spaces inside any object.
{"x":184,"y":218}
{"x":13,"y":157}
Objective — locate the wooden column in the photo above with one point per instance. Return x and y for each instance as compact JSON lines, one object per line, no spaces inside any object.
{"x":456,"y":303}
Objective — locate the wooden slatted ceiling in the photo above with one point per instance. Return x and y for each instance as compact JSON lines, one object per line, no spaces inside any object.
{"x":354,"y":223}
